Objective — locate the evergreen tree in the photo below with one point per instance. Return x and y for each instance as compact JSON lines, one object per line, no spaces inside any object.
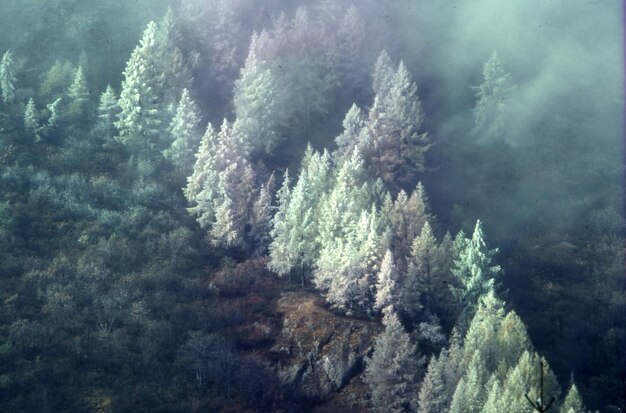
{"x":393,"y":370}
{"x":263,"y":209}
{"x":204,"y":166}
{"x":523,"y":379}
{"x":425,"y":284}
{"x":54,"y":115}
{"x":474,"y":271}
{"x":492,"y":96}
{"x":383,"y":75}
{"x":281,"y":262}
{"x":31,"y":118}
{"x":78,"y":94}
{"x":398,"y":148}
{"x":469,"y":396}
{"x":184,"y":129}
{"x":139,"y":121}
{"x":256,"y":103}
{"x":107,"y":114}
{"x":573,"y":403}
{"x":8,"y":78}
{"x":386,"y":293}
{"x":432,"y":393}
{"x":353,"y":125}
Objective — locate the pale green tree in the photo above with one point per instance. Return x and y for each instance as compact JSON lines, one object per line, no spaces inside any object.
{"x":493,"y":97}
{"x":474,"y":271}
{"x":185,"y":135}
{"x":78,"y":95}
{"x":394,"y":368}
{"x":8,"y":78}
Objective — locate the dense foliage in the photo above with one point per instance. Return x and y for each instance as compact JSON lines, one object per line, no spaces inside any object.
{"x":265,"y":146}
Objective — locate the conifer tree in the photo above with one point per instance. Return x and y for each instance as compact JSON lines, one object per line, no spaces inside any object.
{"x":386,"y":293}
{"x":184,"y":130}
{"x":573,"y":403}
{"x":394,"y":122}
{"x":492,"y":96}
{"x":204,"y":165}
{"x":256,"y":103}
{"x":107,"y":109}
{"x":263,"y":210}
{"x":54,"y":114}
{"x":432,"y":393}
{"x":78,"y":94}
{"x":139,"y":121}
{"x":353,"y":125}
{"x":281,"y":262}
{"x":8,"y":78}
{"x":393,"y":370}
{"x":31,"y":118}
{"x":383,"y":75}
{"x":425,"y":283}
{"x":474,"y":271}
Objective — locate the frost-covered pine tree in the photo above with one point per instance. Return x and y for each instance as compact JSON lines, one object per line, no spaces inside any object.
{"x":185,"y":135}
{"x":394,"y":368}
{"x":573,"y":402}
{"x":474,"y":271}
{"x":108,"y":110}
{"x":139,"y":121}
{"x":432,"y":391}
{"x":353,"y":125}
{"x":78,"y":94}
{"x":425,"y":281}
{"x":394,"y":122}
{"x":383,"y":75}
{"x":31,"y":117}
{"x":7,"y":77}
{"x":386,"y":289}
{"x":281,"y":262}
{"x":204,"y":166}
{"x":493,"y":97}
{"x":262,"y":211}
{"x":54,"y":114}
{"x":256,"y":103}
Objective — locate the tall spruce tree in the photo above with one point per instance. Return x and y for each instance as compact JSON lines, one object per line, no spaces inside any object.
{"x":394,"y":368}
{"x":186,"y":138}
{"x":493,"y":96}
{"x":8,"y":77}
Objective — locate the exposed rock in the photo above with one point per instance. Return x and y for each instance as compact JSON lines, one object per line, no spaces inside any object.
{"x":318,"y":352}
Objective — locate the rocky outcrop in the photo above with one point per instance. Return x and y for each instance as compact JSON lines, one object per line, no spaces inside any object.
{"x":317,"y":352}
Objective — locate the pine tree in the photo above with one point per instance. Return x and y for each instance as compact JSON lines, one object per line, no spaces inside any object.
{"x":261,"y":224}
{"x":469,"y":395}
{"x":184,"y":130}
{"x":139,"y":121}
{"x":204,"y":165}
{"x":353,"y":124}
{"x":425,"y":282}
{"x":108,"y":110}
{"x":386,"y":293}
{"x":523,"y":379}
{"x":573,"y":403}
{"x":280,"y":260}
{"x":492,"y":97}
{"x":78,"y":94}
{"x":474,"y":271}
{"x":31,"y":118}
{"x":8,"y":78}
{"x":393,"y":370}
{"x":394,"y":121}
{"x":383,"y":75}
{"x":408,"y":217}
{"x":54,"y":115}
{"x":432,"y":394}
{"x":256,"y":103}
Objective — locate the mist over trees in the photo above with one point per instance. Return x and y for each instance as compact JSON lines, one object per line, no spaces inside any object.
{"x":451,"y":172}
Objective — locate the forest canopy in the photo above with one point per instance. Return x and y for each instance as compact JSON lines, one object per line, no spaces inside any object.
{"x":444,"y":177}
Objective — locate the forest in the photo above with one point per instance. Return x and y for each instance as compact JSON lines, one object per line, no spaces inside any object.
{"x":312,"y":206}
